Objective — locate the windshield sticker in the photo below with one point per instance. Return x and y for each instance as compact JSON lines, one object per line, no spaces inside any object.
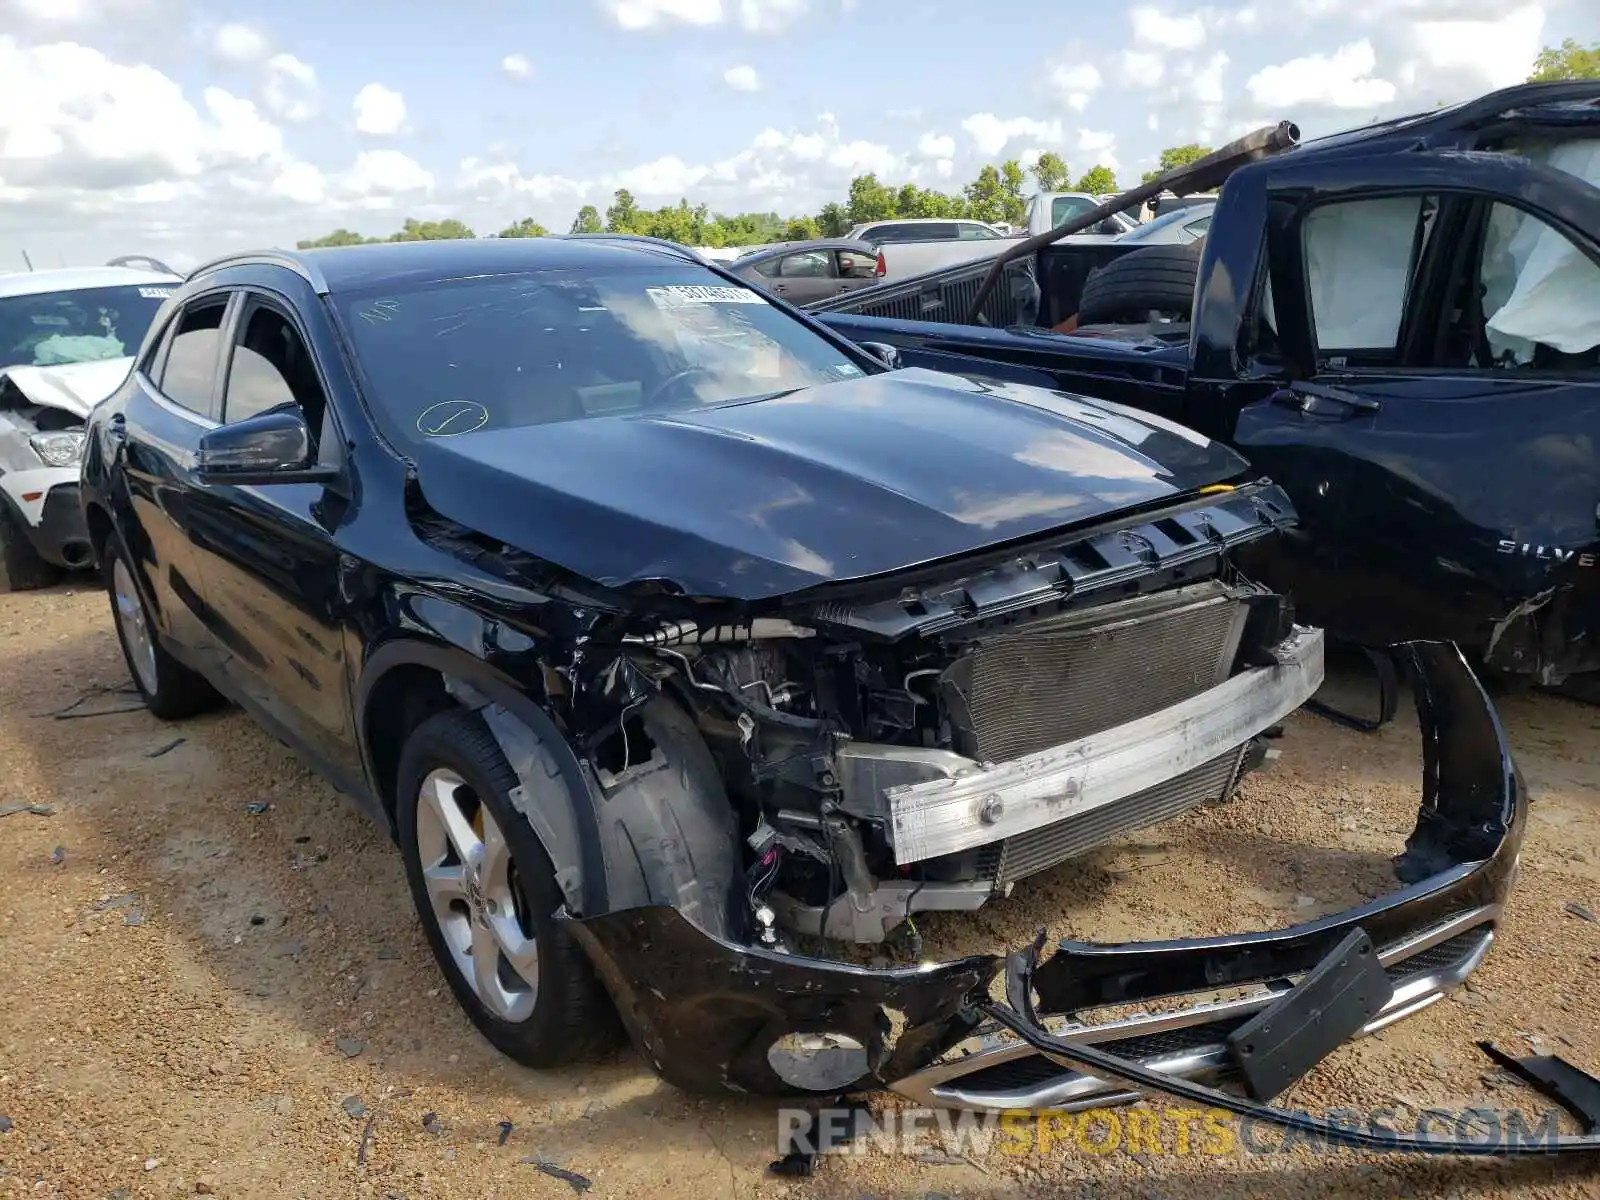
{"x":848,"y":370}
{"x":154,"y":293}
{"x":451,"y":418}
{"x":678,"y":294}
{"x":381,"y":311}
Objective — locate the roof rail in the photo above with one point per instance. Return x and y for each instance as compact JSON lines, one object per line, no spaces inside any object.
{"x":664,"y":243}
{"x":275,"y":258}
{"x":137,"y":260}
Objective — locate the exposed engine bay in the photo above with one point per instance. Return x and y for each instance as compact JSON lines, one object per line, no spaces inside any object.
{"x":849,"y":734}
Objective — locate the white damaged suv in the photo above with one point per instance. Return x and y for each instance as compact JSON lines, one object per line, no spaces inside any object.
{"x":67,"y":339}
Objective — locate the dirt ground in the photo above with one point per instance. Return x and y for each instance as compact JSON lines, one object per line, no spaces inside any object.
{"x":210,"y":962}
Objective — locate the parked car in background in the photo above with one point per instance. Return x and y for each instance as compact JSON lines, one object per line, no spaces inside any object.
{"x":1176,"y":227}
{"x":66,"y":341}
{"x":802,"y":272}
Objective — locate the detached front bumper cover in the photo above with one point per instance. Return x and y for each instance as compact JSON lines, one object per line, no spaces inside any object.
{"x":712,"y":1015}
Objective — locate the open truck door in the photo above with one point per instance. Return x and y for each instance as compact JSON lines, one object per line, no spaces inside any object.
{"x":1427,"y":332}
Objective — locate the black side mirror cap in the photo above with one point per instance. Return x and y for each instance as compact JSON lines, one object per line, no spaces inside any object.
{"x":273,"y":447}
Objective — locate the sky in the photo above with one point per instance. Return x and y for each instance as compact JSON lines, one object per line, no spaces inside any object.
{"x":185,"y":130}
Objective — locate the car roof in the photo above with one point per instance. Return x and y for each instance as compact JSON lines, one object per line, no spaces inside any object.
{"x":72,"y":279}
{"x":784,"y":249}
{"x":334,"y":269}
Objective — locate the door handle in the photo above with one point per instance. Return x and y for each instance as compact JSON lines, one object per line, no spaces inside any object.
{"x":1323,"y":400}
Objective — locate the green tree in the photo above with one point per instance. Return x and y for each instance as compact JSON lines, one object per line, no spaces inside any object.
{"x":801,"y":229}
{"x":587,"y":221}
{"x":870,"y":200}
{"x":1098,"y":181}
{"x":1014,"y":207}
{"x":986,"y":196}
{"x":1050,"y":172}
{"x":1566,"y":61}
{"x":525,"y":228}
{"x":833,"y":220}
{"x":339,"y":237}
{"x":623,"y":214}
{"x":913,"y":201}
{"x":1177,"y":156}
{"x":431,"y":231}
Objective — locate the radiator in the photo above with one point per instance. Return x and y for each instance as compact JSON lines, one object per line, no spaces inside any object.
{"x":1065,"y":677}
{"x":1040,"y":849}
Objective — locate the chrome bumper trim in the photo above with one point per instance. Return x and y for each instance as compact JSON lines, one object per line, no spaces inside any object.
{"x":940,"y":1085}
{"x":973,"y":804}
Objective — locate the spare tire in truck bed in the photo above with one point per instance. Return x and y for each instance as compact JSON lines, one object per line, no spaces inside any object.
{"x":1154,"y":277}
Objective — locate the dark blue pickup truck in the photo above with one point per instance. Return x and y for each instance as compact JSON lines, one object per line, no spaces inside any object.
{"x":1399,"y":324}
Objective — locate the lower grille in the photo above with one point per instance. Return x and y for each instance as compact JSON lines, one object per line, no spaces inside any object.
{"x":1035,"y":851}
{"x":1066,"y":677}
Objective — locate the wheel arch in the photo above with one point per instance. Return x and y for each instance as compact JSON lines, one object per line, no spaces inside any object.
{"x":407,"y":680}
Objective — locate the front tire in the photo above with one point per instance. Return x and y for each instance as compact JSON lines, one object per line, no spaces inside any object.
{"x":169,"y":689}
{"x":486,"y":894}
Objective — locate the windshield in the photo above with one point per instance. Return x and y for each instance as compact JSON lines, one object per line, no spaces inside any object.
{"x":503,"y":351}
{"x":88,"y":325}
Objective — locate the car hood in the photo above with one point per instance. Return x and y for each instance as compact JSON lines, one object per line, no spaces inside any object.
{"x":852,"y":479}
{"x":71,"y":387}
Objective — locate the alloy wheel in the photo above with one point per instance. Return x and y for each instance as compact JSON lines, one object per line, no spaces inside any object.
{"x":471,"y":881}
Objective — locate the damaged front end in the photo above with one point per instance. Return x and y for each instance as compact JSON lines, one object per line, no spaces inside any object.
{"x":888,"y":755}
{"x":715,"y":1014}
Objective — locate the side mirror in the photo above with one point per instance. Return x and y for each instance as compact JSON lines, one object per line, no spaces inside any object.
{"x":274,"y":447}
{"x":1110,"y":226}
{"x":888,"y":355}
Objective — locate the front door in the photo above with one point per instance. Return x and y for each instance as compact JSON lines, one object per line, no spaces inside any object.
{"x":272,"y":572}
{"x":1450,"y":371}
{"x":156,"y":434}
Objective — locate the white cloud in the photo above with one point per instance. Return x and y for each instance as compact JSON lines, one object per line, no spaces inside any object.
{"x":753,"y":16}
{"x":1075,"y":83}
{"x":379,"y":111}
{"x":1098,"y":147}
{"x":70,"y":117}
{"x":769,"y":16}
{"x":236,"y":43}
{"x":1153,"y":27}
{"x":504,"y":180}
{"x":1140,"y":68}
{"x":1464,"y":56}
{"x":66,"y":12}
{"x":300,"y":182}
{"x":1343,"y":79}
{"x":742,"y":79}
{"x":379,"y":174}
{"x":290,"y":91}
{"x":666,"y":176}
{"x":516,"y":66}
{"x":936,"y":145}
{"x":990,"y":133}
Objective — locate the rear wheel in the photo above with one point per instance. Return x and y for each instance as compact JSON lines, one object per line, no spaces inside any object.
{"x":1129,"y":288}
{"x":486,"y":893}
{"x":170,"y":690}
{"x":21,"y":568}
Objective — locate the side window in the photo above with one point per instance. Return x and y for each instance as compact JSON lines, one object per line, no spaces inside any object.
{"x":271,"y":368}
{"x":855,"y":265}
{"x":1540,"y":297}
{"x":191,"y":368}
{"x":769,"y":268}
{"x":812,"y":264}
{"x":1361,"y":261}
{"x":969,"y":232}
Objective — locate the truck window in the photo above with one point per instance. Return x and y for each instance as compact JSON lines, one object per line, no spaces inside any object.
{"x":1361,"y":261}
{"x":1540,"y":296}
{"x":970,"y":231}
{"x":932,"y":231}
{"x":1064,"y":208}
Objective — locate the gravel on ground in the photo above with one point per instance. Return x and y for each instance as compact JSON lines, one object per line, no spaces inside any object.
{"x":214,"y":982}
